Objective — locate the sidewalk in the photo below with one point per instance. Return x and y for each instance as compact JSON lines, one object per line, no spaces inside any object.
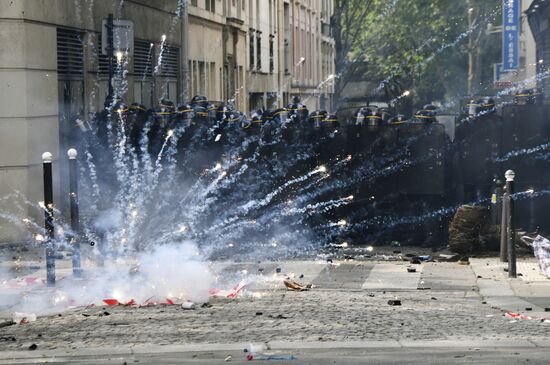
{"x":528,"y":294}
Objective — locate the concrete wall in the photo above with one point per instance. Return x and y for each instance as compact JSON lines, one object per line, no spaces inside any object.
{"x":28,"y":122}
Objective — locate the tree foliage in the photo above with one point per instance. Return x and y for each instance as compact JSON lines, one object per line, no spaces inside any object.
{"x":418,"y":45}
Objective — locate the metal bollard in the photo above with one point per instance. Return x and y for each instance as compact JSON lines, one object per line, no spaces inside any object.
{"x":48,"y":218}
{"x":512,"y":270}
{"x":504,"y":226}
{"x":75,"y":219}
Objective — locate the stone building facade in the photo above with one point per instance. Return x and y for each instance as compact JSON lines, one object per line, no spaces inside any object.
{"x":245,"y":51}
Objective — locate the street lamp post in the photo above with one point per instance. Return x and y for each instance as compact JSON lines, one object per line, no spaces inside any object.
{"x":47,"y":158}
{"x":510,"y":176}
{"x":75,"y":219}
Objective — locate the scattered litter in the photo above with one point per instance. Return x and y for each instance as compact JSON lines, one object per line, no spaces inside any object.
{"x":394,"y":302}
{"x":415,"y":261}
{"x":218,"y":137}
{"x":295,"y":286}
{"x":231,"y":294}
{"x":111,"y":302}
{"x":516,"y":316}
{"x":33,"y":347}
{"x":301,"y":276}
{"x":188,"y":305}
{"x":252,"y":357}
{"x":23,"y":318}
{"x":490,"y":315}
{"x":547,"y":309}
{"x":206,"y":305}
{"x":278,"y":270}
{"x":6,"y":324}
{"x":259,"y":313}
{"x":278,"y":316}
{"x":424,"y":257}
{"x":411,"y":269}
{"x":7,"y":339}
{"x":227,"y":359}
{"x":434,"y":298}
{"x":254,"y":348}
{"x":528,"y":309}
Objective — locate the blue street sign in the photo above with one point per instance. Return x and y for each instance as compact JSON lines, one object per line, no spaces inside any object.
{"x":510,"y":36}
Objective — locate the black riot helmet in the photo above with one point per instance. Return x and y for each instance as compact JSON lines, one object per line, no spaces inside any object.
{"x":280,"y":115}
{"x":185,"y":113}
{"x":424,"y":117}
{"x":200,"y":100}
{"x":360,"y":116}
{"x":399,"y":119}
{"x":137,"y":109}
{"x":374,"y":118}
{"x":525,"y":97}
{"x":386,"y":115}
{"x":317,"y":117}
{"x":487,"y":104}
{"x":331,"y":119}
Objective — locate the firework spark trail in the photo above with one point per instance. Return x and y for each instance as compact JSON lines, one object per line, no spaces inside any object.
{"x":522,"y":152}
{"x":93,"y":177}
{"x":370,"y":171}
{"x":243,"y":210}
{"x":236,"y":230}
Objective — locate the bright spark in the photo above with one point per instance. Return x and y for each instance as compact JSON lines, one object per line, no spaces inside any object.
{"x":370,"y":248}
{"x":170,"y":133}
{"x":342,"y":222}
{"x":163,"y":38}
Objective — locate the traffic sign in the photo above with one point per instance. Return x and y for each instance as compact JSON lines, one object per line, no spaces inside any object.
{"x":123,"y":37}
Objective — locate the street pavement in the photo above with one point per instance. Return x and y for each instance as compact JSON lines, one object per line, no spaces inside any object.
{"x":449,"y":313}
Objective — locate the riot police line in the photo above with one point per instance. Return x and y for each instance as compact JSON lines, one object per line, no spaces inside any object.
{"x":399,"y":167}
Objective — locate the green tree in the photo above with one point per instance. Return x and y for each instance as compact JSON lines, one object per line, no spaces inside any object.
{"x":419,"y":45}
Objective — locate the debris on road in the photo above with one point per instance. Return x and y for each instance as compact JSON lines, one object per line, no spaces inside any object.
{"x":295,"y":286}
{"x":394,"y":302}
{"x":33,"y":347}
{"x":252,"y":357}
{"x":188,"y":305}
{"x":6,"y":324}
{"x":516,"y":316}
{"x":227,"y":359}
{"x":23,"y":318}
{"x":411,"y":269}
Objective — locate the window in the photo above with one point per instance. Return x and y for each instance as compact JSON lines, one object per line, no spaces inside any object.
{"x":251,"y":49}
{"x":168,"y":73}
{"x":211,"y":5}
{"x":259,"y":51}
{"x":143,"y":72}
{"x":271,"y":54}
